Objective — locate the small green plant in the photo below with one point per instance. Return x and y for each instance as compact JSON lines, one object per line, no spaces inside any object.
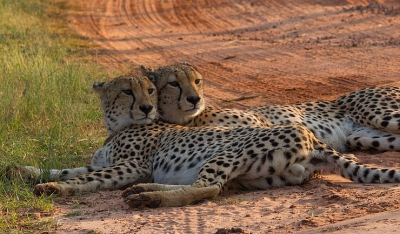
{"x":74,"y":213}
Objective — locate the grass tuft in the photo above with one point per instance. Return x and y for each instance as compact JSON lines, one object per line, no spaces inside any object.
{"x":49,"y":116}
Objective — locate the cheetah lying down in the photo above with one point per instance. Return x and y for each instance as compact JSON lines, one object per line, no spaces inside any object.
{"x":367,"y":119}
{"x":190,"y":164}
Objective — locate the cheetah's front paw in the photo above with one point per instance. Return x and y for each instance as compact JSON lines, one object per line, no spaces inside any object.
{"x":143,"y":200}
{"x":47,"y":189}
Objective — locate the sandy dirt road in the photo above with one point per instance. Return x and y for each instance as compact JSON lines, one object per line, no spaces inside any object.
{"x":278,"y":52}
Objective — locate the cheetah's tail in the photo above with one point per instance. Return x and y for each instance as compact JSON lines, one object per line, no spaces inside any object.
{"x":30,"y":173}
{"x":360,"y":173}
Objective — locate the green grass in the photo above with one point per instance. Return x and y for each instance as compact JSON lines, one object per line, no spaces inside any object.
{"x":49,"y":115}
{"x":74,"y":213}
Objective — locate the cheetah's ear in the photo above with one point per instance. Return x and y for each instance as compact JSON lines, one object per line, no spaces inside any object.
{"x":149,"y":73}
{"x":99,"y":86}
{"x":187,"y":64}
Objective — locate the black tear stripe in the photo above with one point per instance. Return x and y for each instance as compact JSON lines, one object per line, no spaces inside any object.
{"x":133,"y":103}
{"x":180,"y":93}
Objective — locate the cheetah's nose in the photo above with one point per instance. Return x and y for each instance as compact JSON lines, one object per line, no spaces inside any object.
{"x":146,"y":108}
{"x":193,"y":99}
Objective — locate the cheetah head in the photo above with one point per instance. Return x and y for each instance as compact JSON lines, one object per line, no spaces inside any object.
{"x":127,"y":100}
{"x":180,"y":91}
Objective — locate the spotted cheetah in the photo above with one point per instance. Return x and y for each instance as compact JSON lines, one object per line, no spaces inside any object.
{"x":367,"y":119}
{"x":188,"y":164}
{"x":181,"y":101}
{"x":378,"y":108}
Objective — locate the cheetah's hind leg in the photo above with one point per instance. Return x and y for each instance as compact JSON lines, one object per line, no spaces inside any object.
{"x":367,"y":138}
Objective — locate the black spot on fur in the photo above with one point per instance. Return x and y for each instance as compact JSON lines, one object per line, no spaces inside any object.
{"x":316,"y":161}
{"x":210,"y":170}
{"x":271,"y":170}
{"x":288,"y":155}
{"x":356,"y":170}
{"x":366,"y":172}
{"x":269,"y":180}
{"x":391,"y":173}
{"x":391,"y":139}
{"x":376,"y":178}
{"x":375,"y":144}
{"x":270,"y":156}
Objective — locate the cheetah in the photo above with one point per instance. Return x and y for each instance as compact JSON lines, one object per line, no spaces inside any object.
{"x":368,"y":119}
{"x":181,"y":101}
{"x":378,"y":108}
{"x":189,"y":164}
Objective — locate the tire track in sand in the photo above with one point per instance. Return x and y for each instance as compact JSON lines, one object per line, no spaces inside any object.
{"x":237,"y":44}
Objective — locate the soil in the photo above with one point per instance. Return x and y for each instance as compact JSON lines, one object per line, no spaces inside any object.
{"x":251,"y":53}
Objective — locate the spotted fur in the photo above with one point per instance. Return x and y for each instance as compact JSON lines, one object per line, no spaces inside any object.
{"x":367,"y":119}
{"x":180,"y":82}
{"x":378,"y":107}
{"x":190,"y":164}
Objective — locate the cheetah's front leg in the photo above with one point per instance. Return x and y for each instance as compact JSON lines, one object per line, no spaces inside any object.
{"x":113,"y":177}
{"x":184,"y":195}
{"x":211,"y":179}
{"x":150,"y":187}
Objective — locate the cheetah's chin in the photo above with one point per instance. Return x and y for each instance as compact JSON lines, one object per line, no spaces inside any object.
{"x":192,"y":111}
{"x":145,"y":120}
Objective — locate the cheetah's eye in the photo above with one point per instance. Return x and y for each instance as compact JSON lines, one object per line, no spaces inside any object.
{"x":151,"y":91}
{"x":173,"y":84}
{"x":197,"y":81}
{"x":128,"y":92}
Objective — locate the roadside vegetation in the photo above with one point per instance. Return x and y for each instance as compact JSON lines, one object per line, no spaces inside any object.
{"x":49,"y":115}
